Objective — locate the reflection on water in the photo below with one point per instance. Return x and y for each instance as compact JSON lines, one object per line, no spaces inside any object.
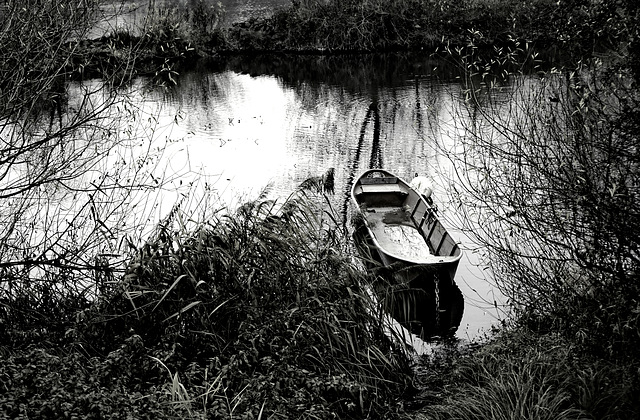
{"x":297,"y":126}
{"x":243,"y":125}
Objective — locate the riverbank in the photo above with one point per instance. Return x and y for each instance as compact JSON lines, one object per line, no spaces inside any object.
{"x":177,"y":36}
{"x":262,"y":314}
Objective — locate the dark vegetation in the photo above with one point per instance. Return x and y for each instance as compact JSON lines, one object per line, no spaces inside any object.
{"x":195,"y":29}
{"x":256,"y":313}
{"x":382,"y":25}
{"x":260,"y":313}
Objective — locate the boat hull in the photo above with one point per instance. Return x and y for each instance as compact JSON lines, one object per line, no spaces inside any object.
{"x":413,"y":270}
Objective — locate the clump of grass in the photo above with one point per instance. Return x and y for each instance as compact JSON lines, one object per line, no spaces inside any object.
{"x":192,"y":22}
{"x":527,"y":376}
{"x":258,"y":311}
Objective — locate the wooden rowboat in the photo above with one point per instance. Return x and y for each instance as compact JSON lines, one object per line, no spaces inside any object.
{"x":401,"y":238}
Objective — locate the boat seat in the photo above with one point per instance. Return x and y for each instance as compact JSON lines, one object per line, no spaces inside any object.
{"x":375,"y":199}
{"x":381,"y":188}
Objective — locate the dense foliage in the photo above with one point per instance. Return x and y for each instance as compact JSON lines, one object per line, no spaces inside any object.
{"x":549,"y":189}
{"x":261,"y":311}
{"x":197,"y":27}
{"x":529,"y":376}
{"x":376,"y":25}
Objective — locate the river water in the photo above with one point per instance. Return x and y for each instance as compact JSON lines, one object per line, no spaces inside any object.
{"x":233,"y":127}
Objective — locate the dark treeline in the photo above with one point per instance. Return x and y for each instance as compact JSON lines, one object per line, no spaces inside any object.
{"x":568,"y":30}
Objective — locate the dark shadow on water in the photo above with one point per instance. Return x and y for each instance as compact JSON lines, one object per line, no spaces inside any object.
{"x":358,"y":73}
{"x":431,"y":305}
{"x":361,"y":73}
{"x":375,"y":160}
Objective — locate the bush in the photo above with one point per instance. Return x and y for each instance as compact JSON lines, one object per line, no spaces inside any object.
{"x":54,"y":384}
{"x":384,"y":25}
{"x":549,"y":187}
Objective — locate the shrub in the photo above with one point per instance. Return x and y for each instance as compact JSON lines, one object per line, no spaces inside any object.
{"x":54,"y":384}
{"x":549,"y":186}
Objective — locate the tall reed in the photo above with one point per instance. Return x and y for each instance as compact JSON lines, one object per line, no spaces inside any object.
{"x":267,"y":301}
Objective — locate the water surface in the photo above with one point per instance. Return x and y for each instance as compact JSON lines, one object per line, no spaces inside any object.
{"x":238,"y":126}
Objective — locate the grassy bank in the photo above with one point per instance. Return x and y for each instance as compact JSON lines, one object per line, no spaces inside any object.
{"x":526,"y":375}
{"x":387,"y":25}
{"x":384,"y":25}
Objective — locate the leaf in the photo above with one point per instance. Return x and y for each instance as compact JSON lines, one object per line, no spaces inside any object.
{"x":218,"y":307}
{"x":168,"y":290}
{"x":186,"y":308}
